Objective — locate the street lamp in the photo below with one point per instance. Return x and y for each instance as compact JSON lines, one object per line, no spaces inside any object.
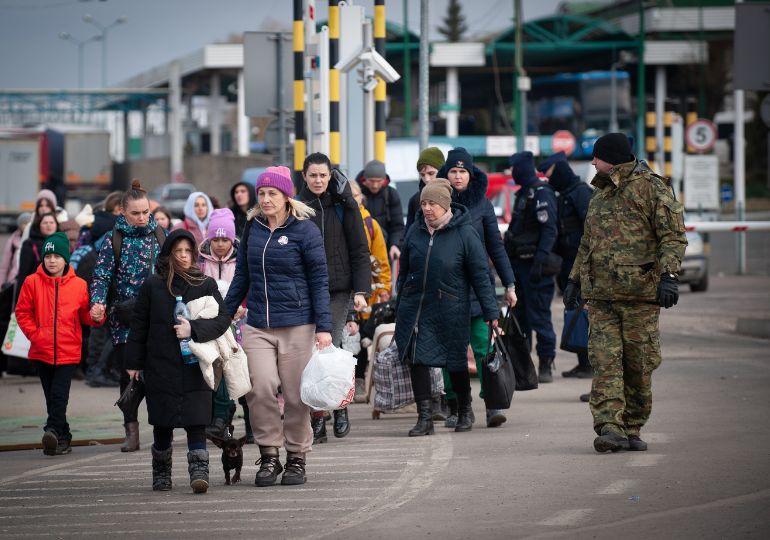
{"x":90,"y":20}
{"x":81,"y":43}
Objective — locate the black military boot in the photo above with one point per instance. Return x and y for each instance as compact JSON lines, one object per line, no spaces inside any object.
{"x":318,"y":422}
{"x":579,"y":372}
{"x":636,"y":444}
{"x":424,"y":425}
{"x":464,"y":412}
{"x":294,"y":472}
{"x":610,"y":441}
{"x":544,"y":374}
{"x":198,"y":467}
{"x":451,"y":419}
{"x":161,"y":469}
{"x":341,"y":423}
{"x":269,"y":466}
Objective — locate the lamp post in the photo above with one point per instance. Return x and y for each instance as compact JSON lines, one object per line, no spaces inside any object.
{"x":104,"y":29}
{"x":81,"y":43}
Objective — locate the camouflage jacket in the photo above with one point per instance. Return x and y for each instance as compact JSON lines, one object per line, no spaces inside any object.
{"x":634,"y":231}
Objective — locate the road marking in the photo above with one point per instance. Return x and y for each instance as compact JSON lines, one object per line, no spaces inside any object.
{"x":645,"y":460}
{"x":567,"y":518}
{"x":44,"y":470}
{"x":617,"y":487}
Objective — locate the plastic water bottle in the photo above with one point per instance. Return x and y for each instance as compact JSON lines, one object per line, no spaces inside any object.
{"x":180,"y":310}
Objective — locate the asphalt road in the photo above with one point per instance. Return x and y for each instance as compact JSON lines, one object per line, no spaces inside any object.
{"x":706,"y":474}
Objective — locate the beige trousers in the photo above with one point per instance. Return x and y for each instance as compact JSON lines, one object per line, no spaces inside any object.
{"x":277,"y":356}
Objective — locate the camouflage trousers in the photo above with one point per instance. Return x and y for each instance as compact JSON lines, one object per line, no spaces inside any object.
{"x":624,"y":349}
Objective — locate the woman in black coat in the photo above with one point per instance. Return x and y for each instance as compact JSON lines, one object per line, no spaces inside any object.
{"x":177,"y":395}
{"x":442,"y":258}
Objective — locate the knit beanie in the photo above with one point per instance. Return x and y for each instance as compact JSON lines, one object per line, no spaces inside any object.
{"x":47,"y":194}
{"x":459,"y":158}
{"x":432,"y":156}
{"x":375,"y":169}
{"x":523,"y":168}
{"x":59,"y":244}
{"x":439,"y":191}
{"x":278,"y":178}
{"x":221,"y":224}
{"x":551,"y":160}
{"x":613,"y":148}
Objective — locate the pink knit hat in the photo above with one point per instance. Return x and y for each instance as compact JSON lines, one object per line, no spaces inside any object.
{"x":277,"y":177}
{"x":221,"y":224}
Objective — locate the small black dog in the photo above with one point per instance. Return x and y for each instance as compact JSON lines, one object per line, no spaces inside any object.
{"x":232,"y":456}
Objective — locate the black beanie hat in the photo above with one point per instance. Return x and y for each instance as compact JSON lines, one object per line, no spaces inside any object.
{"x":613,"y":148}
{"x":460,"y":158}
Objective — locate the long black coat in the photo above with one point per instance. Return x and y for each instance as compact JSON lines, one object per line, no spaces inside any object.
{"x":434,"y":281}
{"x":177,"y":395}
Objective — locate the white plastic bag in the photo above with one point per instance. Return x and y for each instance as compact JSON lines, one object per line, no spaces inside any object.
{"x":328,"y":381}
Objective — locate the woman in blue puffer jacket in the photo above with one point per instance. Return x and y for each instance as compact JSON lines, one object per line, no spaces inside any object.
{"x":281,"y":266}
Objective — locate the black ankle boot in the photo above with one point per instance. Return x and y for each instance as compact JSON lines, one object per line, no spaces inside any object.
{"x":544,"y":374}
{"x":424,"y":425}
{"x":439,"y":410}
{"x":294,"y":472}
{"x":341,"y":423}
{"x":319,"y":428}
{"x":269,"y":466}
{"x":464,"y":412}
{"x":161,"y":469}
{"x":451,"y":419}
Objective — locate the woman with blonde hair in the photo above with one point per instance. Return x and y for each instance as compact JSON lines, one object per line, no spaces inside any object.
{"x":281,"y":271}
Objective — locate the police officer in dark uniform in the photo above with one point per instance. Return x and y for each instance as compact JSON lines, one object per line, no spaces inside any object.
{"x":529,"y":241}
{"x":571,"y":210}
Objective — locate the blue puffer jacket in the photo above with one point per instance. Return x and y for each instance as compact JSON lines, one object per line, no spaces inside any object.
{"x":284,"y":274}
{"x":137,"y":255}
{"x":435,"y":280}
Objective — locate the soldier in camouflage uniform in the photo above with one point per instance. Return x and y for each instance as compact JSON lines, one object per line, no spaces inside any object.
{"x":626,"y":269}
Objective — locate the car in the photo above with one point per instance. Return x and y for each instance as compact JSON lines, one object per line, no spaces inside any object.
{"x":695,"y":265}
{"x":503,"y":201}
{"x":173,"y":196}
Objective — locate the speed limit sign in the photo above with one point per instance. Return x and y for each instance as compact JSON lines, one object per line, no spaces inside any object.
{"x":701,"y":135}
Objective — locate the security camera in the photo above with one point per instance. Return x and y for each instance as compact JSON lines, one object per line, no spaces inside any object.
{"x":380,"y":65}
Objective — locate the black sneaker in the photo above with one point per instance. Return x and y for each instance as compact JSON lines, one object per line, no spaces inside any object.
{"x":63,"y":447}
{"x":579,"y":372}
{"x":269,"y":469}
{"x":636,"y":444}
{"x":294,"y":473}
{"x":610,"y":442}
{"x":50,"y":442}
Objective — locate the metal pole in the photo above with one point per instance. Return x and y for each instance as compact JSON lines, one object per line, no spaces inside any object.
{"x":323,"y":89}
{"x":299,"y":86}
{"x":279,"y":98}
{"x":369,"y":120}
{"x":614,"y":99}
{"x":380,"y":93}
{"x":660,"y":105}
{"x":640,"y":85}
{"x":521,"y":121}
{"x":740,"y":173}
{"x":334,"y":82}
{"x":424,"y":75}
{"x":407,"y":73}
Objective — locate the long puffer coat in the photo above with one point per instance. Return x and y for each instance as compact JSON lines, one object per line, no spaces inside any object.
{"x":177,"y":395}
{"x":434,"y":291}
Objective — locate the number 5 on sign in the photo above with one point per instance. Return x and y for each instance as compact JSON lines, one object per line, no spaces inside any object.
{"x":701,"y":135}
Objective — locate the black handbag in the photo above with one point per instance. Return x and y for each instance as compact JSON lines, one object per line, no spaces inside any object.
{"x":499,"y":385}
{"x":132,"y":396}
{"x":517,"y":345}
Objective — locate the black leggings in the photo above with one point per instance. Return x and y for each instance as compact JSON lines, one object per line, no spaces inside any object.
{"x":196,"y":437}
{"x":461,"y":382}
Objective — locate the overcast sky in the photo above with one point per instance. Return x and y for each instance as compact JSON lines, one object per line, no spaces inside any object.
{"x":33,"y":56}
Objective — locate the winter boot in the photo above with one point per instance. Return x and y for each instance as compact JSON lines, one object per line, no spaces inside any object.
{"x":198,"y":467}
{"x":161,"y":469}
{"x":439,"y":411}
{"x":464,"y":412}
{"x":341,"y":423}
{"x":269,"y":466}
{"x":451,"y":419}
{"x":50,"y":442}
{"x":131,"y":444}
{"x":544,"y":370}
{"x":318,"y":423}
{"x":495,"y":418}
{"x":294,"y":473}
{"x":218,"y":429}
{"x":424,"y":425}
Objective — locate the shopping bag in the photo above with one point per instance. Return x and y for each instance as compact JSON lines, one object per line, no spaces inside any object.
{"x":498,"y":375}
{"x":517,"y":346}
{"x":328,"y":381}
{"x":15,"y":342}
{"x":132,"y":396}
{"x":574,"y":335}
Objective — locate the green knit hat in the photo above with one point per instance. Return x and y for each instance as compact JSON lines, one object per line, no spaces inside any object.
{"x":431,"y":156}
{"x":59,"y":244}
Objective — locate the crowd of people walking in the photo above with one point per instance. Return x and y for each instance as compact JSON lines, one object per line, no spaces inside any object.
{"x":132,"y":296}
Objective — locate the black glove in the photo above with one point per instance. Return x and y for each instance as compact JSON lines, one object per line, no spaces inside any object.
{"x":571,"y":293}
{"x":668,"y":290}
{"x":536,"y":272}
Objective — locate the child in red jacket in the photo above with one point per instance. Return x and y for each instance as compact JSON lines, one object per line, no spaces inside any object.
{"x":53,"y":304}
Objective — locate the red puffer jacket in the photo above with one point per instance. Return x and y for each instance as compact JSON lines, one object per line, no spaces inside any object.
{"x":51,"y":312}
